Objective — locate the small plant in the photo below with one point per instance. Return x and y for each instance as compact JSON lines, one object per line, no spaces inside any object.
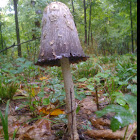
{"x":7,"y":90}
{"x":85,"y":69}
{"x":104,"y":60}
{"x":123,"y":115}
{"x":4,"y":121}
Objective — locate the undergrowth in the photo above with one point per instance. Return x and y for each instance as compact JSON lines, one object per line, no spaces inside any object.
{"x":115,"y":75}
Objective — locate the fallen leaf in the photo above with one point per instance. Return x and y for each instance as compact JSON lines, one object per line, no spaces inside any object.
{"x":40,"y":130}
{"x":99,"y":92}
{"x":54,"y":112}
{"x":21,"y":92}
{"x":50,"y":107}
{"x":88,"y":106}
{"x":82,"y":85}
{"x":43,"y":78}
{"x":109,"y":134}
{"x":35,"y":91}
{"x":100,"y":122}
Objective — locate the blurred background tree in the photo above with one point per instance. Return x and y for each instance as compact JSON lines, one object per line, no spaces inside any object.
{"x":105,"y":27}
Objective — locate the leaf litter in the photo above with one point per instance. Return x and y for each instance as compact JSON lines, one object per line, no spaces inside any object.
{"x":89,"y":126}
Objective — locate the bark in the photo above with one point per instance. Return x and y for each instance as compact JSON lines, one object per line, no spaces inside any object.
{"x":17,"y":28}
{"x":89,"y":27}
{"x":127,"y":47}
{"x":91,"y":38}
{"x":73,"y":10}
{"x":70,"y":99}
{"x":1,"y":37}
{"x":97,"y":102}
{"x":85,"y":21}
{"x":132,"y":38}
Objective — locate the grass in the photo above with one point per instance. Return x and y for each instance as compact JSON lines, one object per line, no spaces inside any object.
{"x":4,"y":120}
{"x":7,"y":90}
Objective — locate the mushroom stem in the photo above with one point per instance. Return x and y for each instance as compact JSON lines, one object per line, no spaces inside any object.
{"x":70,"y":99}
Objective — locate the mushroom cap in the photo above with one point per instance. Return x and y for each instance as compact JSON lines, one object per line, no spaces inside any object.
{"x":59,"y":37}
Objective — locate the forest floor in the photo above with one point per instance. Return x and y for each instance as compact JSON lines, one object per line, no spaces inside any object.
{"x":32,"y":120}
{"x":90,"y":127}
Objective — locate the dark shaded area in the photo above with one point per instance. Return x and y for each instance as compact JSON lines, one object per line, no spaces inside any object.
{"x":56,"y":62}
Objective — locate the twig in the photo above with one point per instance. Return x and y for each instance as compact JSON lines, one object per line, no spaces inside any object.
{"x":125,"y":132}
{"x":18,"y":44}
{"x":97,"y":103}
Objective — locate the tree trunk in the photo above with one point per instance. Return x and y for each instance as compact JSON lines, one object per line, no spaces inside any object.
{"x":131,"y":26}
{"x":70,"y":99}
{"x":1,"y":37}
{"x":89,"y":27}
{"x":17,"y":27}
{"x":85,"y":21}
{"x":73,"y":10}
{"x":91,"y":38}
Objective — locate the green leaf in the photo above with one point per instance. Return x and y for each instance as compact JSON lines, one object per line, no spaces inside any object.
{"x":77,"y":109}
{"x":20,"y":59}
{"x":82,"y":80}
{"x":103,"y":75}
{"x":90,"y":87}
{"x":115,"y":94}
{"x":20,"y":69}
{"x":133,"y":88}
{"x":111,"y":108}
{"x":79,"y":96}
{"x":123,"y":116}
{"x":115,"y":124}
{"x":91,"y":79}
{"x":97,"y":79}
{"x":40,"y":94}
{"x":123,"y":83}
{"x":120,"y":101}
{"x":27,"y":64}
{"x":132,"y":102}
{"x":46,"y":101}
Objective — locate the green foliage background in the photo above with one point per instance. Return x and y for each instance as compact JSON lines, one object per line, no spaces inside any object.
{"x":110,"y":25}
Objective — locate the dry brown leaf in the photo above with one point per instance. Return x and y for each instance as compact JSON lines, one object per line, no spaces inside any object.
{"x":51,"y":106}
{"x":82,"y":85}
{"x":99,"y":92}
{"x":40,"y":130}
{"x":109,"y":134}
{"x":100,"y":122}
{"x":88,"y":106}
{"x":24,"y":137}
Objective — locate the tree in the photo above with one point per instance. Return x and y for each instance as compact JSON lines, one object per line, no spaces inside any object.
{"x":17,"y":28}
{"x":89,"y":27}
{"x":109,"y":25}
{"x":131,"y":26}
{"x":73,"y":9}
{"x":85,"y":21}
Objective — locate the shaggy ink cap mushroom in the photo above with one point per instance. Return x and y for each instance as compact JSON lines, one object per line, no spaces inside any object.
{"x":59,"y":37}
